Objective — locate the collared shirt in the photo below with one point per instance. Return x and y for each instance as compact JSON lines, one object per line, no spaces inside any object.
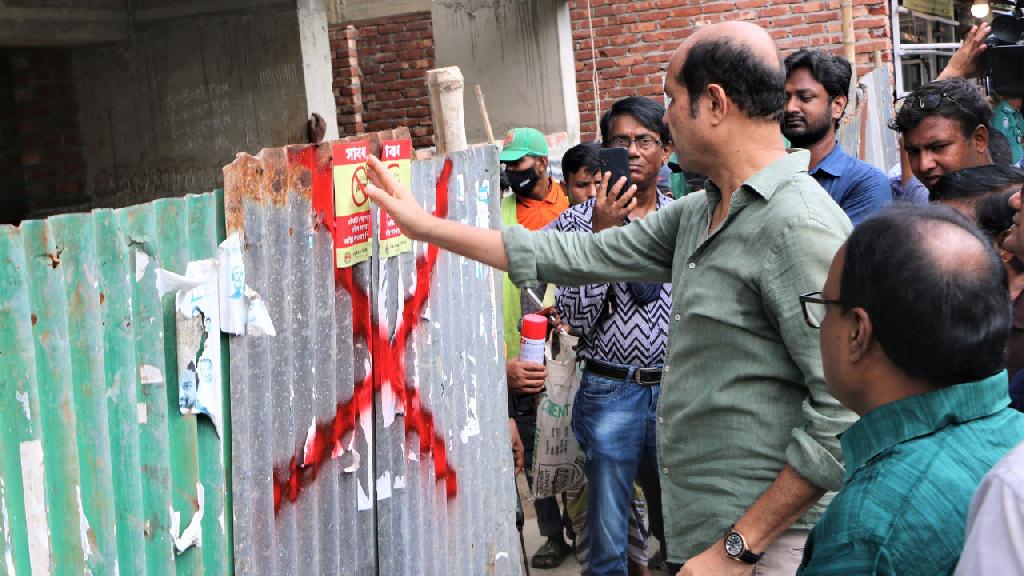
{"x":911,"y":469}
{"x":742,"y":390}
{"x":995,"y":524}
{"x":613,"y":327}
{"x":536,"y":214}
{"x":859,"y":188}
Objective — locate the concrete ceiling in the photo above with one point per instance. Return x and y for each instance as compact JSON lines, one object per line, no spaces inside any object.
{"x":50,"y":23}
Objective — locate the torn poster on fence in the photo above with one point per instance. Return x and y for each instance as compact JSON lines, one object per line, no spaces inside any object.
{"x":197,"y":318}
{"x":232,"y":285}
{"x":193,"y":534}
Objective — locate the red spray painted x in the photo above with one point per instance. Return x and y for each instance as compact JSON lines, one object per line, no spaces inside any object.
{"x":387,"y":353}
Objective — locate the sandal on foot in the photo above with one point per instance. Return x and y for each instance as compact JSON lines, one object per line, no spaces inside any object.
{"x":550,"y":554}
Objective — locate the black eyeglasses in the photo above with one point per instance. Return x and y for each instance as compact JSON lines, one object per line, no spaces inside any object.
{"x":642,"y":142}
{"x":815,"y":307}
{"x":930,"y":102}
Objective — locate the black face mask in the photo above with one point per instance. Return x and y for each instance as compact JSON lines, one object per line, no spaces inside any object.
{"x":522,"y":182}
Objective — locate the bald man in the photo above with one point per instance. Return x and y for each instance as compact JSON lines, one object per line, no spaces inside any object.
{"x":934,"y":415}
{"x":746,"y":428}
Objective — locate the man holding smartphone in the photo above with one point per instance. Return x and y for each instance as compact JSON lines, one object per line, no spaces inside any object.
{"x":623,"y":328}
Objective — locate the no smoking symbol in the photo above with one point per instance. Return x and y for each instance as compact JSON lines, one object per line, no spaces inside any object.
{"x":359,"y":178}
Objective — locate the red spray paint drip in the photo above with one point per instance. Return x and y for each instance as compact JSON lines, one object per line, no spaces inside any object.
{"x":388,"y":361}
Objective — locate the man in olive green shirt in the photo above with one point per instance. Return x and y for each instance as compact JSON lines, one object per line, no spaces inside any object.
{"x":747,"y":430}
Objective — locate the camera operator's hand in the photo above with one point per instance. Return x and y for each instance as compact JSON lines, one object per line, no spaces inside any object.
{"x":966,"y":61}
{"x":525,"y":377}
{"x":611,"y":209}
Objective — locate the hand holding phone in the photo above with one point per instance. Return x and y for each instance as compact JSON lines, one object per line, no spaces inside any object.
{"x":616,"y":161}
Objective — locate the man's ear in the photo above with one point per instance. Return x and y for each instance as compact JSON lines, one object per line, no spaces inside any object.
{"x":839,"y":106}
{"x":542,"y":164}
{"x":861,"y":335}
{"x":980,"y":139}
{"x":718,"y":103}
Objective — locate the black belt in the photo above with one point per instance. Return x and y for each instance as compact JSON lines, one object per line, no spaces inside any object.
{"x":642,"y":376}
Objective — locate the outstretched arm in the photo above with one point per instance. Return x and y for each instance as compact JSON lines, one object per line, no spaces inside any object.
{"x":480,"y":244}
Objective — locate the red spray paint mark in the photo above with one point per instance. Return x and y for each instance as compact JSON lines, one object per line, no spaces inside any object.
{"x":388,"y":362}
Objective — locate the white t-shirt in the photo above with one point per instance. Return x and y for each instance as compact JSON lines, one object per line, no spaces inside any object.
{"x":995,"y":524}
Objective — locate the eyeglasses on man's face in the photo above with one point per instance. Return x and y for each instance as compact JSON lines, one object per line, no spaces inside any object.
{"x":815,"y":307}
{"x":642,"y":142}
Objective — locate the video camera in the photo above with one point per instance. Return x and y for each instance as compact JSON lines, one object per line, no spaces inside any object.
{"x":1006,"y":49}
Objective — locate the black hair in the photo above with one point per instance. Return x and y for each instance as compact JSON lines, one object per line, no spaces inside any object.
{"x":649,"y":113}
{"x":999,"y":148}
{"x":755,"y":86}
{"x":942,"y":324}
{"x":959,"y":100}
{"x":830,"y":70}
{"x":994,"y":215}
{"x":585,"y":155}
{"x":976,"y":182}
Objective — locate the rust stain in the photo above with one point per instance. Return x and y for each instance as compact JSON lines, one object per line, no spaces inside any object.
{"x":241,"y":182}
{"x":275,"y":167}
{"x":102,"y":298}
{"x":35,"y":319}
{"x":290,"y":231}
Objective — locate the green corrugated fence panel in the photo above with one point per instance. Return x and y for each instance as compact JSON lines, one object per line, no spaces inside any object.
{"x":95,"y":455}
{"x":139,"y":227}
{"x":60,"y":469}
{"x":172,"y":250}
{"x":75,"y":235}
{"x":122,"y":400}
{"x":19,"y":405}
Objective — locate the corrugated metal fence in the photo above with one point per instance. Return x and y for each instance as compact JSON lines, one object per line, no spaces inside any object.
{"x":94,"y":461}
{"x":368,"y":436}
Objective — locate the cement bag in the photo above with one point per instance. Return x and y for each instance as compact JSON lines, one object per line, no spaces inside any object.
{"x":557,"y":458}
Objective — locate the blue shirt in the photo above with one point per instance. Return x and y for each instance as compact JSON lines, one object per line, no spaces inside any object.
{"x":912,"y":467}
{"x":613,"y":326}
{"x":859,"y":188}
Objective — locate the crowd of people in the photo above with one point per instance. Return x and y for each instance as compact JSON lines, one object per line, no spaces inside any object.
{"x":808,"y":367}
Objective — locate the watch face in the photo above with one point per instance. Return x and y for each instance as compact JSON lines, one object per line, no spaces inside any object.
{"x":733,"y":544}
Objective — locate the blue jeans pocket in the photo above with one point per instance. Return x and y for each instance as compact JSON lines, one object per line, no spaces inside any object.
{"x":598,"y":387}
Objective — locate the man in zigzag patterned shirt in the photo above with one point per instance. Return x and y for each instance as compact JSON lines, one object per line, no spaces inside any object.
{"x":623,"y":329}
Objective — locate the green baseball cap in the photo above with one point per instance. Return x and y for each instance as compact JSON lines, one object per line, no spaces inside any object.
{"x":522,"y":141}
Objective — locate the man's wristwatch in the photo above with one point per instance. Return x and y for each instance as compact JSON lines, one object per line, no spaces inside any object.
{"x":736,"y":547}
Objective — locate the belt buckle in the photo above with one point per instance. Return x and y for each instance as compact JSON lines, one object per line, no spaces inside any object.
{"x":636,"y":376}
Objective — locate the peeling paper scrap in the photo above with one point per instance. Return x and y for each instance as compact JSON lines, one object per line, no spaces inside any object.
{"x":308,"y":444}
{"x":232,"y":285}
{"x":384,"y":486}
{"x":363,"y":500}
{"x":149,"y":374}
{"x":143,"y":412}
{"x":32,"y":478}
{"x":83,"y":525}
{"x":399,"y":483}
{"x":258,"y":322}
{"x":193,"y":534}
{"x":141,"y":264}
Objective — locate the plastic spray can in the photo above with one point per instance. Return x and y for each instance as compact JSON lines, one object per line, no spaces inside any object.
{"x":531,"y":341}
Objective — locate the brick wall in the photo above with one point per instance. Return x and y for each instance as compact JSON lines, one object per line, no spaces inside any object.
{"x":633,"y":41}
{"x":380,"y":69}
{"x":42,"y":154}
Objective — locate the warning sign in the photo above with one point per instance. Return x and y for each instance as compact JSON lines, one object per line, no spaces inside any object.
{"x":397,"y":157}
{"x":352,"y":230}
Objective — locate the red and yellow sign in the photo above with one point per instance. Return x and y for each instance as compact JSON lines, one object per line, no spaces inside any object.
{"x":397,"y":157}
{"x":352,"y":225}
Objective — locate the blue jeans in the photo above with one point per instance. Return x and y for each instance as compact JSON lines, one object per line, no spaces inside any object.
{"x":614,"y":424}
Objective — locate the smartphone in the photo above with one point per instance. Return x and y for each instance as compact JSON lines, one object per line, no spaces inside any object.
{"x":616,"y":161}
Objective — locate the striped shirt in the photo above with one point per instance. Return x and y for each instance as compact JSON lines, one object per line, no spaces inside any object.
{"x":613,"y":326}
{"x":912,"y":467}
